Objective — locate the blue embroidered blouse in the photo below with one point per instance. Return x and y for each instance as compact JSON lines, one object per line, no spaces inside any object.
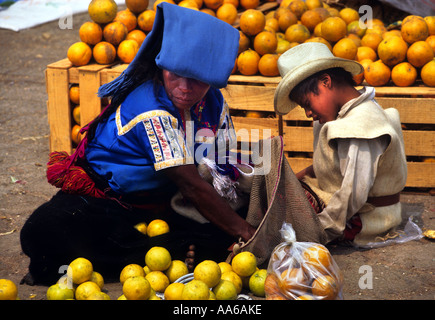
{"x":147,"y":133}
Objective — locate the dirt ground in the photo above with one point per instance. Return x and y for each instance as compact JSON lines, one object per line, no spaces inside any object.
{"x":395,"y":272}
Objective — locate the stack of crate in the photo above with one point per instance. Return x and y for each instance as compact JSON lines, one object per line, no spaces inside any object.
{"x":244,"y":94}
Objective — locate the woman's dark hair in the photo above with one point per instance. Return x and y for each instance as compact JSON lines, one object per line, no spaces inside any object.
{"x":142,"y":73}
{"x":339,"y":76}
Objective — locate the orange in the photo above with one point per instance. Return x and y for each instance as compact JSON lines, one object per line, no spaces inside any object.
{"x":286,"y":19}
{"x":419,"y":53}
{"x":377,"y":74}
{"x":430,"y":21}
{"x":157,"y":227}
{"x":74,"y":94}
{"x":355,"y":28}
{"x":428,"y":73}
{"x":115,"y":32}
{"x":297,"y":33}
{"x":244,"y":264}
{"x":128,"y":18}
{"x":317,"y":32}
{"x":265,"y":42}
{"x":188,"y":4}
{"x":244,"y":42}
{"x":146,"y":20}
{"x":392,"y":51}
{"x":349,"y":15}
{"x":131,"y":270}
{"x":79,"y":53}
{"x":333,"y":29}
{"x":268,"y":65}
{"x":311,"y":19}
{"x":273,"y":24}
{"x":104,"y":52}
{"x":345,"y":48}
{"x":360,"y":77}
{"x":233,"y":2}
{"x":282,"y":46}
{"x":317,"y":255}
{"x":227,"y":12}
{"x":137,"y":6}
{"x":294,"y":281}
{"x":298,"y":7}
{"x":91,"y":33}
{"x":8,"y":290}
{"x":392,"y":33}
{"x":136,"y":288}
{"x":414,"y":28}
{"x":213,"y":4}
{"x":85,"y":289}
{"x":199,"y":3}
{"x":431,"y":41}
{"x":252,"y":22}
{"x":366,"y":53}
{"x":75,"y":134}
{"x":324,"y":13}
{"x":76,"y":114}
{"x":285,"y":3}
{"x":403,"y":74}
{"x":249,"y":4}
{"x":333,"y":12}
{"x":354,"y":38}
{"x":325,"y":287}
{"x":127,"y":50}
{"x":102,"y":11}
{"x":156,"y":3}
{"x":208,"y":11}
{"x":321,"y":40}
{"x":136,"y":35}
{"x":312,"y":4}
{"x":371,"y":40}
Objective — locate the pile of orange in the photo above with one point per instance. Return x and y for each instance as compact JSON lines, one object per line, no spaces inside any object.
{"x":398,"y":56}
{"x":116,"y":39}
{"x":311,"y":275}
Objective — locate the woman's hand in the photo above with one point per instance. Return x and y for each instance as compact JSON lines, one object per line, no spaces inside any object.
{"x":208,"y":202}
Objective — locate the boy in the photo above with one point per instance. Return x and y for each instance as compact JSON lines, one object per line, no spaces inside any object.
{"x":359,"y":164}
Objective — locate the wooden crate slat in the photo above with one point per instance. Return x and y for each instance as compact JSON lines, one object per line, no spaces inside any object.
{"x":415,"y":110}
{"x":251,"y":125}
{"x":59,"y":109}
{"x":90,"y":103}
{"x":419,"y":143}
{"x":421,"y":175}
{"x":255,"y":98}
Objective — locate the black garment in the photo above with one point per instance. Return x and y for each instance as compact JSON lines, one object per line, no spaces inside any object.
{"x":71,"y":226}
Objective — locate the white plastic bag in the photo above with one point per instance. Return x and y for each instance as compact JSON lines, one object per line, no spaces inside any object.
{"x":302,"y":271}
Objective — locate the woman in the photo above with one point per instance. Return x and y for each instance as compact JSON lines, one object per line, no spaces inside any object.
{"x":139,"y":152}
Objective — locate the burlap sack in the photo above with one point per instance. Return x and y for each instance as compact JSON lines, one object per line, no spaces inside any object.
{"x":276,"y":197}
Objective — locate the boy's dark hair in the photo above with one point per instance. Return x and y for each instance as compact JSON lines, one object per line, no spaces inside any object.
{"x":338,"y":76}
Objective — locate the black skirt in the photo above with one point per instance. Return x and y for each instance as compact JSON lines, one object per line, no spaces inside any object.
{"x":102,"y":230}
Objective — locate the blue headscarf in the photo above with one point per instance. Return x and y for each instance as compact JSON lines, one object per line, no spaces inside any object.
{"x":187,"y":42}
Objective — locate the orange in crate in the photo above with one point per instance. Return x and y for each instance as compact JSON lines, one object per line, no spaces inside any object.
{"x":404,"y":74}
{"x":252,"y":22}
{"x":146,"y":20}
{"x":128,"y":18}
{"x":247,"y":62}
{"x":91,"y":33}
{"x":104,"y":52}
{"x":377,"y":74}
{"x":115,"y":32}
{"x":127,"y":50}
{"x":79,"y":53}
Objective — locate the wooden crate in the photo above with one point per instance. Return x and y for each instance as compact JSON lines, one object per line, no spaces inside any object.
{"x":416,"y":106}
{"x":60,"y":76}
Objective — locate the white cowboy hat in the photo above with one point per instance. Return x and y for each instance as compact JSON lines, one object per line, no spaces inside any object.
{"x":302,"y":61}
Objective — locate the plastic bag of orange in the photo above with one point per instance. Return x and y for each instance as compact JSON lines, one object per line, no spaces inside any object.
{"x":302,"y":271}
